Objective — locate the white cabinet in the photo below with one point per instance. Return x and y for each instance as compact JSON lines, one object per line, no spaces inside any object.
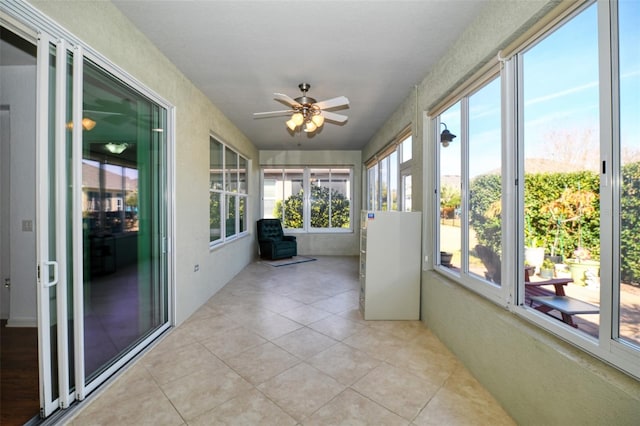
{"x":390,"y":253}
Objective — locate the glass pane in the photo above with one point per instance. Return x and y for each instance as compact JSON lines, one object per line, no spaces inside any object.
{"x":272,"y":191}
{"x":372,"y":190}
{"x":242,"y":175}
{"x":406,"y":147}
{"x":320,"y":198}
{"x":450,"y":195}
{"x":383,"y":167}
{"x":242,"y":214}
{"x":230,"y":219}
{"x":215,"y":221}
{"x":215,"y":165}
{"x":562,"y":163}
{"x":231,"y":167}
{"x":485,"y":191}
{"x":292,"y":199}
{"x":406,"y":193}
{"x":122,"y":210}
{"x":340,"y":198}
{"x":629,"y":16}
{"x":393,"y":180}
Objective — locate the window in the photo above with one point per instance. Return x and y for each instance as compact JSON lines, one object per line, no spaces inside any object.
{"x":308,"y":198}
{"x":470,"y":237}
{"x":551,"y":190}
{"x":628,"y":257}
{"x":388,"y":174}
{"x":227,"y":193}
{"x":561,"y":149}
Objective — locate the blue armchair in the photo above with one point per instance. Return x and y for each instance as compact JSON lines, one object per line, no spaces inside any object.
{"x":272,"y":241}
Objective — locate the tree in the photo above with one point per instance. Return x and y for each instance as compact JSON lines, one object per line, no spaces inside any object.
{"x":329,"y":209}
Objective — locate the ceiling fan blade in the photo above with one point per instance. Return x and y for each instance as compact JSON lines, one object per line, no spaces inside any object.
{"x":271,"y":113}
{"x":286,"y":99}
{"x":332,"y":116}
{"x":333,"y":102}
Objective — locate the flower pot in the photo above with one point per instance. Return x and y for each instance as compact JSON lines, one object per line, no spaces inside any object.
{"x":445,"y":258}
{"x":534,"y":256}
{"x":546,"y":273}
{"x":579,"y":268}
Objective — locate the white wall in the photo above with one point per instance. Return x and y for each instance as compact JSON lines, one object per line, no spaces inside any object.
{"x":18,"y":92}
{"x":538,"y":378}
{"x":102,"y":26}
{"x":329,"y":244}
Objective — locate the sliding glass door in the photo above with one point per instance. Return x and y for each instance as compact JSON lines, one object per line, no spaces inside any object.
{"x":101,"y":221}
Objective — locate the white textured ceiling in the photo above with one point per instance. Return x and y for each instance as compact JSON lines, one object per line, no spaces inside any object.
{"x":240,"y":52}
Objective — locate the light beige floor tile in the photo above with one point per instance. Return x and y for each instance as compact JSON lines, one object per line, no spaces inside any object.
{"x":304,"y":342}
{"x":227,"y":343}
{"x":405,"y":330}
{"x":355,"y":316}
{"x":202,"y":329}
{"x":463,"y":401}
{"x":397,"y":390}
{"x":151,"y":408}
{"x":336,"y":327}
{"x":168,"y":366}
{"x":306,"y":296}
{"x":272,"y":326}
{"x":249,"y":409}
{"x":344,"y":363}
{"x":339,"y":303}
{"x":352,"y":409}
{"x":199,"y":392}
{"x":305,"y":314}
{"x":262,"y":362}
{"x":427,"y":358}
{"x":278,"y":303}
{"x":301,"y":390}
{"x":176,"y":339}
{"x":376,"y":343}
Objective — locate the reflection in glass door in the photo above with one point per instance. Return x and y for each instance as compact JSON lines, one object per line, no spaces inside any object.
{"x":123,"y":223}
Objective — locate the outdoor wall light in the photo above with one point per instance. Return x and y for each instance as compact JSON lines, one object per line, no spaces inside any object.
{"x":446,"y":136}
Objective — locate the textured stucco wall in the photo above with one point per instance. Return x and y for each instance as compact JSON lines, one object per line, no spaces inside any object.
{"x":538,"y":378}
{"x":101,"y":26}
{"x":318,"y":243}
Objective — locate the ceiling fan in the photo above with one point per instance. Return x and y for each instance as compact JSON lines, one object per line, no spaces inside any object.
{"x":306,"y":111}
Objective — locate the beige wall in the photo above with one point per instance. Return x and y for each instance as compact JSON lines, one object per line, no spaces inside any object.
{"x":538,"y":378}
{"x":330,"y":244}
{"x":101,"y":26}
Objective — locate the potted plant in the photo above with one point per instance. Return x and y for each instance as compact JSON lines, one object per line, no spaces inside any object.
{"x":581,"y":265}
{"x":445,"y":258}
{"x":547,"y":268}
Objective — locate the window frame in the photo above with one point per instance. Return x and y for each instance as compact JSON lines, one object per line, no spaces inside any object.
{"x":608,"y":346}
{"x":306,"y":203}
{"x":496,"y":293}
{"x":401,"y":168}
{"x":230,"y":192}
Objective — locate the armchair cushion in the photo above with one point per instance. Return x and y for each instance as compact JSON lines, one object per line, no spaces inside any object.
{"x":272,"y":241}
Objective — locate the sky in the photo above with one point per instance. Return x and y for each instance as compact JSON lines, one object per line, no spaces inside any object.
{"x":561,"y":94}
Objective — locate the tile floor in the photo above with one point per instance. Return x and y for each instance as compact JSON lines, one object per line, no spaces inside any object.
{"x":287,"y":346}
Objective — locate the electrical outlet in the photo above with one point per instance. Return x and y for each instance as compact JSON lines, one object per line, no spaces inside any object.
{"x":196,"y":267}
{"x":27,"y":226}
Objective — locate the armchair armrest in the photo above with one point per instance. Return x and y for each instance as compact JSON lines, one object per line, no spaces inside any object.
{"x":289,"y":238}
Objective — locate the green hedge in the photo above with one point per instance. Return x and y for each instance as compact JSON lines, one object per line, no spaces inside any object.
{"x":545,"y":194}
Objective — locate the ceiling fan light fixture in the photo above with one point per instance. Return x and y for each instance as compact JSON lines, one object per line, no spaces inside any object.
{"x":309,"y":127}
{"x":297,"y":118}
{"x":116,"y":148}
{"x":318,"y":120}
{"x":291,"y":125}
